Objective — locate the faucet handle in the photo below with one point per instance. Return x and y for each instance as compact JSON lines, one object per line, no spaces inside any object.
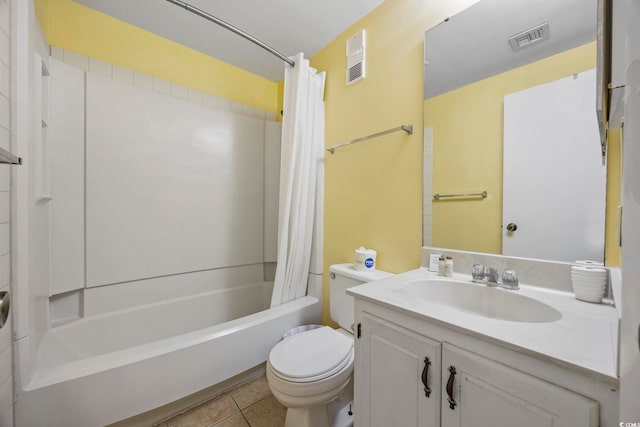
{"x":510,"y":279}
{"x":477,"y":272}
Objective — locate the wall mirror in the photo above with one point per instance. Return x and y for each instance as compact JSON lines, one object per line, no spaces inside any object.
{"x":510,"y":122}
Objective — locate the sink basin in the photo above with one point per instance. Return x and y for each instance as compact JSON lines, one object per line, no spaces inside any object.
{"x":480,"y":300}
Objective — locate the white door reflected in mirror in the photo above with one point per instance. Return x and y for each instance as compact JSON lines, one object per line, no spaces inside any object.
{"x":551,"y":159}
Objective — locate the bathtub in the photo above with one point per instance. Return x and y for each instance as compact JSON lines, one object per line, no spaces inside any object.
{"x":102,"y":369}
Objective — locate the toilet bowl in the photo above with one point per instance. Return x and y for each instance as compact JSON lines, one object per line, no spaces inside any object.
{"x":310,"y":372}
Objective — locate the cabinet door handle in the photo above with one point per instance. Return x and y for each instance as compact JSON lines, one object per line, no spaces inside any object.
{"x":425,"y":375}
{"x":450,"y":399}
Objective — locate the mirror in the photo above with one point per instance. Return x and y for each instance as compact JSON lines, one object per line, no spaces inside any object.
{"x":473,"y":76}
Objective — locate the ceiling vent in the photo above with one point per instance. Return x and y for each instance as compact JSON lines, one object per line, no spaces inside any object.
{"x":529,"y":37}
{"x":356,"y":58}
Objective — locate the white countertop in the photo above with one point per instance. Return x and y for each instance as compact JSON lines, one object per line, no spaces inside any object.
{"x":585,"y":338}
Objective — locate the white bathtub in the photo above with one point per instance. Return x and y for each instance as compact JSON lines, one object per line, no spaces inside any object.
{"x":106,"y":368}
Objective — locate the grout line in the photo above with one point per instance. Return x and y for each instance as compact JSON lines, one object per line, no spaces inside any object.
{"x":245,"y":418}
{"x":220,"y":421}
{"x":234,"y":400}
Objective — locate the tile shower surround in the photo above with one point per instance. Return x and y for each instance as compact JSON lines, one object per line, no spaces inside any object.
{"x":6,"y":355}
{"x":250,"y":404}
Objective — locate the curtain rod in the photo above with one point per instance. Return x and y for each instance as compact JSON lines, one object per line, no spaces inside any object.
{"x":231,"y":28}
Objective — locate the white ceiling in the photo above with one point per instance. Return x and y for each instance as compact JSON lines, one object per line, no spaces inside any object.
{"x":473,"y":45}
{"x":289,"y":26}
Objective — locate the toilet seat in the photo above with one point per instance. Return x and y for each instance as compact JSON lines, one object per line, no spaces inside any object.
{"x":311,"y":356}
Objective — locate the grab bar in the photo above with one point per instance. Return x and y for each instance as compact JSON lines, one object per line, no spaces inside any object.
{"x":9,"y":158}
{"x":459,"y":196}
{"x":407,"y":128}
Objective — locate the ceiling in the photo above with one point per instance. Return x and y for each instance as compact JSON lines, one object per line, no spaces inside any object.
{"x":472,"y":45}
{"x":288,"y":26}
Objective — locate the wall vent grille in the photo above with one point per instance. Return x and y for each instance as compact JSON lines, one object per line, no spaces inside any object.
{"x":356,"y":57}
{"x":355,"y":73}
{"x":529,"y":37}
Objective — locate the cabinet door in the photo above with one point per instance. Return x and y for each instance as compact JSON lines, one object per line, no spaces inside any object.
{"x":486,"y":393}
{"x":392,"y":365}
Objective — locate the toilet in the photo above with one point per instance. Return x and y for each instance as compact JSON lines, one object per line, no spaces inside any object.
{"x":310,"y":372}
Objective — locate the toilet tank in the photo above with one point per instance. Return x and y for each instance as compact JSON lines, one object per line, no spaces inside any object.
{"x":342,"y":277}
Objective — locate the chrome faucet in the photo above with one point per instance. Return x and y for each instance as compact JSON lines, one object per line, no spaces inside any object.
{"x":490,"y":277}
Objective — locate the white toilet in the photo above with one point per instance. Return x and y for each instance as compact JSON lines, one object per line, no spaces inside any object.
{"x":310,"y":372}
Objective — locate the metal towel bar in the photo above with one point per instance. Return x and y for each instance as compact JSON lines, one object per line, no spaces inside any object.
{"x":407,"y":128}
{"x":459,"y":196}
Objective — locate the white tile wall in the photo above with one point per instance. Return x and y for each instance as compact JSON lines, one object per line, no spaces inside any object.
{"x":271,"y":183}
{"x":5,"y":176}
{"x":239,"y":184}
{"x":5,"y":48}
{"x":7,"y":419}
{"x":57,"y":53}
{"x":161,"y":86}
{"x":179,"y":91}
{"x":66,"y":132}
{"x":5,"y":270}
{"x":211,"y":100}
{"x":76,"y":60}
{"x":6,"y":394}
{"x":4,"y":79}
{"x":142,"y":80}
{"x":100,"y":67}
{"x":121,"y":74}
{"x":6,"y":352}
{"x":196,"y":96}
{"x":125,"y":75}
{"x":128,"y":76}
{"x":5,"y":16}
{"x":5,"y":138}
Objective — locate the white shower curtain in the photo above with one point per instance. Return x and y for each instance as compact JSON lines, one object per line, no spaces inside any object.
{"x":302,"y":152}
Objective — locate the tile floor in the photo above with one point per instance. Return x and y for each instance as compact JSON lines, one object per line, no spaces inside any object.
{"x":248,"y":405}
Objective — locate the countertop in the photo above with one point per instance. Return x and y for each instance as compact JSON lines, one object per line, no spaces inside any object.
{"x":584,"y":339}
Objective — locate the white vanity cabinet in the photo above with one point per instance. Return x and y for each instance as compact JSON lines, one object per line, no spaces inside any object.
{"x":397,"y":376}
{"x":391,"y":373}
{"x":479,"y":392}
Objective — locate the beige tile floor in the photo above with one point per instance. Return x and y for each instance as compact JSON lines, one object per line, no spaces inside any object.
{"x":249,"y":405}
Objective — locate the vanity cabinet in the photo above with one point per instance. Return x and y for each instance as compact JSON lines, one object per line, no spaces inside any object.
{"x":404,"y":378}
{"x":397,"y":377}
{"x":479,"y":392}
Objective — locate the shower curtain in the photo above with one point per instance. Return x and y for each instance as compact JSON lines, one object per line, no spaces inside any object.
{"x":302,"y":152}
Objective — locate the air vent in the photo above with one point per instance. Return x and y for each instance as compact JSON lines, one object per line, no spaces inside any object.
{"x":355,"y":73}
{"x":529,"y":37}
{"x":356,"y":57}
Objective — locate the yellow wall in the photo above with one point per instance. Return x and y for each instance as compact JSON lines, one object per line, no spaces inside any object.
{"x":467,"y":152}
{"x":373,"y":190}
{"x":74,"y":27}
{"x":613,"y":251}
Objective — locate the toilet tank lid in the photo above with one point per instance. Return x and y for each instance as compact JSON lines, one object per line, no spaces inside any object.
{"x":347,"y":270}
